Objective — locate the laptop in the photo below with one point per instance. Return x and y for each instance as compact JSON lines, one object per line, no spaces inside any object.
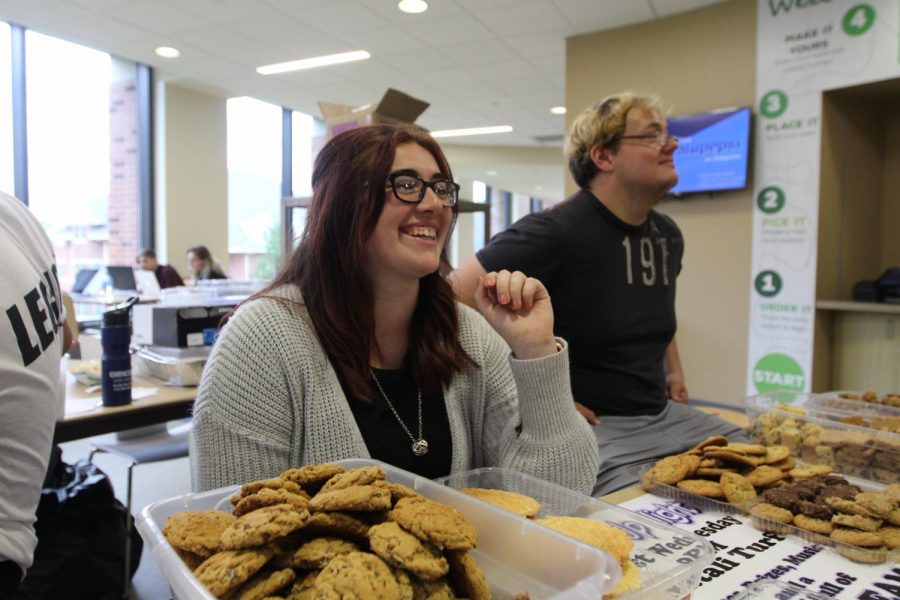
{"x":82,"y":278}
{"x":147,"y":284}
{"x":122,"y":279}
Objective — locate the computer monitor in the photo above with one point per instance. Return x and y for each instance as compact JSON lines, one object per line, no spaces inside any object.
{"x":82,"y":279}
{"x":122,"y":278}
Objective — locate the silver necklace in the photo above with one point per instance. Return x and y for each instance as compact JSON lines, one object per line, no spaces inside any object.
{"x":419,"y":444}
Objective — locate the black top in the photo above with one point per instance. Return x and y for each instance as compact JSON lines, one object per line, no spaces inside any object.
{"x":613,"y":290}
{"x":386,"y":439}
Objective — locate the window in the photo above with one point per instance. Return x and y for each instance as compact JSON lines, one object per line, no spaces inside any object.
{"x":254,"y":187}
{"x":82,"y":159}
{"x":7,"y":177}
{"x":304,"y":129}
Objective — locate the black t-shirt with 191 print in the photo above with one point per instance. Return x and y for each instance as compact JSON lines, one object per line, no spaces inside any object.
{"x":613,"y":291}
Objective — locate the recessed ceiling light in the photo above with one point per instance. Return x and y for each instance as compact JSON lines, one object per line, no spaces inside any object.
{"x":312,"y":63}
{"x":539,"y":188}
{"x":471,"y":131}
{"x":412,"y":6}
{"x":491,"y":172}
{"x":168,"y":52}
{"x":558,"y":110}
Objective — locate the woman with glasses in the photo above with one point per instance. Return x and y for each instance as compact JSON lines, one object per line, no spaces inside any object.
{"x":358,"y":348}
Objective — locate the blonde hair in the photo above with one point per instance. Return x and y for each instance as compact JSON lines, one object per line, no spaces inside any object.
{"x":601,"y":125}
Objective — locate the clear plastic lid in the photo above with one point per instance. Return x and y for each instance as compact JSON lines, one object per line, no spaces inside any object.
{"x":668,"y":576}
{"x":506,"y":551}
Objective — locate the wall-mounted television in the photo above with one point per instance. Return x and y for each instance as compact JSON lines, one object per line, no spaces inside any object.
{"x":713,"y":150}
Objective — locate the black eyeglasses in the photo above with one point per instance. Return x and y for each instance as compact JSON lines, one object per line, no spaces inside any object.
{"x":658,"y":139}
{"x":411,"y":188}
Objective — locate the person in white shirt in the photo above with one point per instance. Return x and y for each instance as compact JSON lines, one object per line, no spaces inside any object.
{"x":33,"y":337}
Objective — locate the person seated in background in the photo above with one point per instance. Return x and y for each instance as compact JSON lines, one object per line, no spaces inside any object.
{"x":358,"y":349}
{"x":202,"y":264}
{"x":610,"y":262}
{"x":33,"y":336}
{"x":167,"y":276}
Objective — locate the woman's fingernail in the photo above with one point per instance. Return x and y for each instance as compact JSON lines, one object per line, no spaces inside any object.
{"x":504,"y":298}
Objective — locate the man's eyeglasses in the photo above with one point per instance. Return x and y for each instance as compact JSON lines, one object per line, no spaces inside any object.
{"x":411,"y":189}
{"x":658,"y":139}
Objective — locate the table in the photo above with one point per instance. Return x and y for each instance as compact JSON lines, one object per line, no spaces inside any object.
{"x":85,"y":417}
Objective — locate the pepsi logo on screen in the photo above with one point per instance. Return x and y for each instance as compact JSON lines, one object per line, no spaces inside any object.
{"x":713,"y":150}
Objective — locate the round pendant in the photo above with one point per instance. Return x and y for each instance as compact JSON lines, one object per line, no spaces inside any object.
{"x":420,"y":447}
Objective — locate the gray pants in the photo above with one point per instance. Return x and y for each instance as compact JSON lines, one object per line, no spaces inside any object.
{"x":627,"y":443}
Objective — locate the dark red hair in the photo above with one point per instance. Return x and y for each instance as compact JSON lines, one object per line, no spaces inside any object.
{"x":348,"y":195}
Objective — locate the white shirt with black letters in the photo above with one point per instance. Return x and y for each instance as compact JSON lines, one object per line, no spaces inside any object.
{"x":31,"y":338}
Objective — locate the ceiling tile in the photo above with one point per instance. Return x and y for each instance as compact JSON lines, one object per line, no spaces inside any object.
{"x":474,"y":53}
{"x":346,"y":15}
{"x":539,"y":44}
{"x":155,"y":16}
{"x":223,"y":11}
{"x":596,"y":15}
{"x":526,"y":18}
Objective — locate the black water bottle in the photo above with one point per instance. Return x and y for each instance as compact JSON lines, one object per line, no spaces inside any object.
{"x":115,"y":362}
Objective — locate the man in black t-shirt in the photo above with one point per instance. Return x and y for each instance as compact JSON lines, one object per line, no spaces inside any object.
{"x":610,"y":263}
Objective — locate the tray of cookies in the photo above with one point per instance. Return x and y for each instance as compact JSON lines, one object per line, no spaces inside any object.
{"x":857,"y":519}
{"x":622,"y":533}
{"x":361,"y":527}
{"x":865,"y":409}
{"x":813,"y":437}
{"x":720,"y":475}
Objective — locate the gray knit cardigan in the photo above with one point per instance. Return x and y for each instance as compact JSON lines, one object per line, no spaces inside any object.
{"x":270,"y":399}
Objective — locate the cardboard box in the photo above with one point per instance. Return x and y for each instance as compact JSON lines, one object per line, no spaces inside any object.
{"x":394,"y":107}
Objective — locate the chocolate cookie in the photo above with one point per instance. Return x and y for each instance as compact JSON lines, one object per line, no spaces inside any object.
{"x":781,"y":497}
{"x":845,"y":491}
{"x":812,"y":510}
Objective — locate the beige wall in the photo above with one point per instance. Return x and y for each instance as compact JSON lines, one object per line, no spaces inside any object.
{"x":191,"y":179}
{"x":696,"y":61}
